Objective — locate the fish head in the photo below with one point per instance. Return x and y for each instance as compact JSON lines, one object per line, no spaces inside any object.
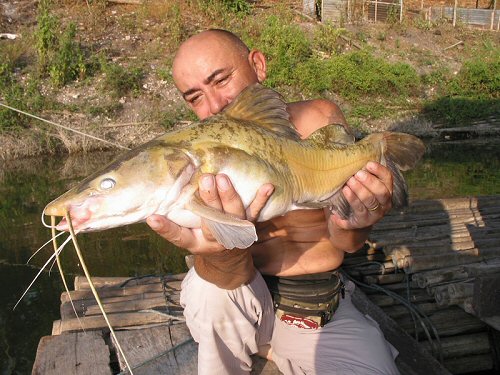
{"x":128,"y":190}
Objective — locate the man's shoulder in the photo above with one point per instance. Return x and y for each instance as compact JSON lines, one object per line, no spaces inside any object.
{"x":310,"y":115}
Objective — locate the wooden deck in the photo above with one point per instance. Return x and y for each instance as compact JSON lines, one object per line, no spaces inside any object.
{"x":440,"y":255}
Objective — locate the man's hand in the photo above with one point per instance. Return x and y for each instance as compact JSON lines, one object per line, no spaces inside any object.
{"x":217,"y":192}
{"x":369,"y":192}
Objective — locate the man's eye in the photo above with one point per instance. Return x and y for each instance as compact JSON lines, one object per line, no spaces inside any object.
{"x":223,"y":80}
{"x":194,"y":99}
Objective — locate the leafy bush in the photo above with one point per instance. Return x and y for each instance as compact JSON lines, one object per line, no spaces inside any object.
{"x":218,"y":9}
{"x":26,"y":98}
{"x":45,"y":34}
{"x":286,"y":47}
{"x":477,"y":78}
{"x":68,"y":63}
{"x":59,"y":54}
{"x":358,"y":74}
{"x":460,"y":110}
{"x":471,"y":94}
{"x":121,"y":81}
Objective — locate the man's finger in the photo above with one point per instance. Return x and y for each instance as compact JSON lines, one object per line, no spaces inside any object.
{"x":208,"y":191}
{"x":230,"y":199}
{"x":259,"y":201}
{"x":382,"y":173}
{"x":170,"y":231}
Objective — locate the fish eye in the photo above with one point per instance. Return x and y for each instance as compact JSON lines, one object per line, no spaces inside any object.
{"x":107,"y":183}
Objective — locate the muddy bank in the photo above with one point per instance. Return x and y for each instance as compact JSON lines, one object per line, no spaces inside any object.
{"x":45,"y":140}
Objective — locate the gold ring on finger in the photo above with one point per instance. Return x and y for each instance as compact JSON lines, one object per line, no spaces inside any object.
{"x":375,"y":208}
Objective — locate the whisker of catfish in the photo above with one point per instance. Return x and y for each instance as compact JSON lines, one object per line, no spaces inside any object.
{"x":94,"y":291}
{"x":41,"y":247}
{"x":41,"y":270}
{"x":44,"y":223}
{"x":59,"y":266}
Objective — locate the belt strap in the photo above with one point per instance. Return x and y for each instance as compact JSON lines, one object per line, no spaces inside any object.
{"x":306,"y":300}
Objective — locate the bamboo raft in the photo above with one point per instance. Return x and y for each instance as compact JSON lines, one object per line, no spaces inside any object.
{"x":441,"y":255}
{"x":444,"y":257}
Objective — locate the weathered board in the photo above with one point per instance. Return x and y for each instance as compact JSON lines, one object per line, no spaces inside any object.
{"x":155,"y":338}
{"x":80,"y":353}
{"x":162,"y":350}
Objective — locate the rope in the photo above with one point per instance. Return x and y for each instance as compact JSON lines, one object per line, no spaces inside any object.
{"x":64,"y":127}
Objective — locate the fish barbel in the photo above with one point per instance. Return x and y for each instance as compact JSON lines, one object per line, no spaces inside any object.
{"x":253,"y":142}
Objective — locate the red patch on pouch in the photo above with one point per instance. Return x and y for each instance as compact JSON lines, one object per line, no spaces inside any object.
{"x":299,"y":322}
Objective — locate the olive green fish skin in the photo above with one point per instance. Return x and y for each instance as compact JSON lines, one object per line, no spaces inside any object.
{"x":252,"y":142}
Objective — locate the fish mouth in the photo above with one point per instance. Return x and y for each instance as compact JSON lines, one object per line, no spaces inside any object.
{"x":79,"y":215}
{"x":78,"y":225}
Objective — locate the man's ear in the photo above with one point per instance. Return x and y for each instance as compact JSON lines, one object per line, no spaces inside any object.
{"x":257,"y":61}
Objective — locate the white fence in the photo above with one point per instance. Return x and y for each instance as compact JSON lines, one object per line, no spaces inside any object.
{"x":347,"y":11}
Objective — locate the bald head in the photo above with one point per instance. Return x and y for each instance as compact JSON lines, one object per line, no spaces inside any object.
{"x":209,"y":42}
{"x":211,"y":68}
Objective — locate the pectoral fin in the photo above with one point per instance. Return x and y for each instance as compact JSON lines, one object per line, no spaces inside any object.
{"x":231,"y":232}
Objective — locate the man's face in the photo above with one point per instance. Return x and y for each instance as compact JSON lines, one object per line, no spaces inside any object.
{"x":210,"y":74}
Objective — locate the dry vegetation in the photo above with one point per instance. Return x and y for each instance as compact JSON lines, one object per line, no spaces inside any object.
{"x":111,"y":78}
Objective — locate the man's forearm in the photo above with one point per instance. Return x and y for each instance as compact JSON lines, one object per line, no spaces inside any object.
{"x":348,"y":240}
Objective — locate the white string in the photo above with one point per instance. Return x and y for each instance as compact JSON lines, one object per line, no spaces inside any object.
{"x":43,"y":267}
{"x":41,"y":247}
{"x":64,"y":127}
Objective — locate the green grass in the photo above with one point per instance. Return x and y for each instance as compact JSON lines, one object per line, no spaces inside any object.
{"x":120,"y":80}
{"x":25,"y":97}
{"x":473,"y":93}
{"x":303,"y":61}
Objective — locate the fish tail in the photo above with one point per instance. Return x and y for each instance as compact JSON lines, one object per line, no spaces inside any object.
{"x":404,"y":150}
{"x":400,"y":152}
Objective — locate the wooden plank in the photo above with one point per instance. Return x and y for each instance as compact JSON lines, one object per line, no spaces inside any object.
{"x":72,"y":354}
{"x":486,"y":296}
{"x":470,"y":364}
{"x":169,"y":350}
{"x":173,"y":286}
{"x":162,"y":350}
{"x":126,"y":306}
{"x":119,"y":320}
{"x":81,"y":282}
{"x":412,"y":359}
{"x":463,"y":345}
{"x":449,"y":322}
{"x":82,"y":306}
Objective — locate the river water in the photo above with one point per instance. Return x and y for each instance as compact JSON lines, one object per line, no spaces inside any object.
{"x":26,"y":186}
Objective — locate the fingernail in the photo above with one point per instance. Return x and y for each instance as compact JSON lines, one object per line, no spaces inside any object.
{"x":153,"y":223}
{"x":371,"y":165}
{"x":361,"y":175}
{"x":207,"y":182}
{"x":268,"y":190}
{"x":223,"y":182}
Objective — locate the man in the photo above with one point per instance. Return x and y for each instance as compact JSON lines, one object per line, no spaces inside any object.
{"x":227,"y":305}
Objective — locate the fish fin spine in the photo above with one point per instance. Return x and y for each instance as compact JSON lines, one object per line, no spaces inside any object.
{"x":264,"y":107}
{"x":400,"y":152}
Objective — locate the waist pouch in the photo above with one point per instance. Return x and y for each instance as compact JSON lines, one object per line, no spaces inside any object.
{"x":306,"y":301}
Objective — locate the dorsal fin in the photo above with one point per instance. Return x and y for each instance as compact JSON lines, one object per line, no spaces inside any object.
{"x":265,"y":107}
{"x":330,"y":134}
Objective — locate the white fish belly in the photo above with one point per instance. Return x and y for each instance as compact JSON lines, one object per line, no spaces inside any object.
{"x":247,"y":185}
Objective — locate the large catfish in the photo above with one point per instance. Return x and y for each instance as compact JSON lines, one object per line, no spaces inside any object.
{"x":253,"y":142}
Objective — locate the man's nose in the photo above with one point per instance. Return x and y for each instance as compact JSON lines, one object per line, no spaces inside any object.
{"x":216,"y":103}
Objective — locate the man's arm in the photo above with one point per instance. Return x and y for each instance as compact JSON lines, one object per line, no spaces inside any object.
{"x":217,"y":192}
{"x":369,"y":192}
{"x":370,"y":195}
